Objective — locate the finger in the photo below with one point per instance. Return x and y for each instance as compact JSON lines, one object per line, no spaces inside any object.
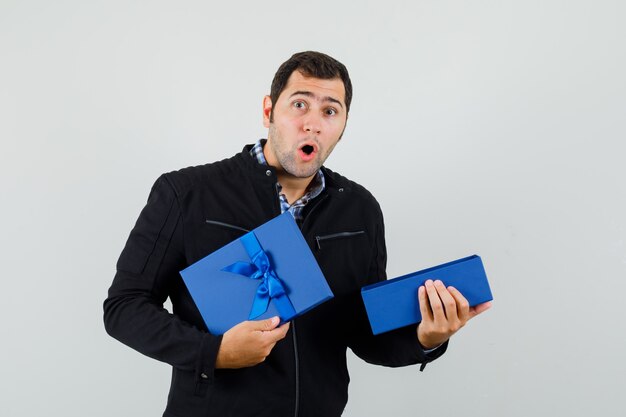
{"x":265,"y":325}
{"x":448,"y":302}
{"x":435,"y":302}
{"x":278,"y":333}
{"x":462,"y":305}
{"x":425,"y":310}
{"x":480,"y":308}
{"x":275,"y":336}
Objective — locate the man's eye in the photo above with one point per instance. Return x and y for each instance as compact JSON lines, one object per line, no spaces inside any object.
{"x":331,"y":112}
{"x":298,"y":104}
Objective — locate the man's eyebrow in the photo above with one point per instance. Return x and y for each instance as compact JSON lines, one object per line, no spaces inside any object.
{"x":310,"y":94}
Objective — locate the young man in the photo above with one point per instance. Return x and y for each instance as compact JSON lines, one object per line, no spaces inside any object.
{"x":258,"y":368}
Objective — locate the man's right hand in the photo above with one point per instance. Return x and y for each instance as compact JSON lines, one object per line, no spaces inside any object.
{"x":249,"y":343}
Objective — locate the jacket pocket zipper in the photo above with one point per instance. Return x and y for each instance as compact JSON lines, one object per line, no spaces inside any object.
{"x":320,"y":239}
{"x":297,"y":368}
{"x":229,"y":226}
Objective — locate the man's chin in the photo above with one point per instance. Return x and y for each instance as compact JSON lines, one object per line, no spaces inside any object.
{"x":302,"y":175}
{"x":299,"y":169}
{"x":307,"y":172}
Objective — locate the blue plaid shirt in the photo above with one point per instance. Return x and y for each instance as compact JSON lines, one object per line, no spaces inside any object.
{"x":315,"y":188}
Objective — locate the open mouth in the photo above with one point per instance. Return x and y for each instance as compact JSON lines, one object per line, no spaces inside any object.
{"x":308,"y":149}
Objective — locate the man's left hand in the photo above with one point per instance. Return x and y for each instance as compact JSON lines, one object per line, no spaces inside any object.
{"x":444,"y":312}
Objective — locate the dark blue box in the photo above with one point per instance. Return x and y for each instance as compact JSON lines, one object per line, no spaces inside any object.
{"x":392,"y":304}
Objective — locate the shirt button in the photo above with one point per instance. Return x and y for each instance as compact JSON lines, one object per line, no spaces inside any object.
{"x":203,"y":376}
{"x":268,"y":173}
{"x":341,"y":190}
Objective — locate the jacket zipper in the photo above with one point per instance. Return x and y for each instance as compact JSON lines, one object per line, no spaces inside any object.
{"x":293,"y":323}
{"x":293,"y":327}
{"x":229,"y":226}
{"x":319,"y":239}
{"x":321,"y":198}
{"x":295,"y":353}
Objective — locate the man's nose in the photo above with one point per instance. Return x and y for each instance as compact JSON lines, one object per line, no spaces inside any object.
{"x":312,"y":124}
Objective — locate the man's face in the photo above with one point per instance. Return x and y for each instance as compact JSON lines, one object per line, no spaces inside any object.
{"x":307,"y":122}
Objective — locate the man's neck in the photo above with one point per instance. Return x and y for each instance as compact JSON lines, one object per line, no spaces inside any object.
{"x":293,"y":187}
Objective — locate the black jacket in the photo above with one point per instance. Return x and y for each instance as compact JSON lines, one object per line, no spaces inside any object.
{"x":306,"y":373}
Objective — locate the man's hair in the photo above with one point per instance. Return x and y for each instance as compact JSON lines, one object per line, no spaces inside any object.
{"x":311,"y":64}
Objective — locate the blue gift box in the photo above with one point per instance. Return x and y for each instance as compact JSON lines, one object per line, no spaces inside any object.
{"x":392,"y":304}
{"x":268,"y":272}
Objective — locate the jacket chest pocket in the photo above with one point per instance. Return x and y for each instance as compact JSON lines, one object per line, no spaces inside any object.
{"x":327,"y":239}
{"x":344,"y":257}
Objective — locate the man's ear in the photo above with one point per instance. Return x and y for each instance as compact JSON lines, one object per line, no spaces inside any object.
{"x":267,"y":111}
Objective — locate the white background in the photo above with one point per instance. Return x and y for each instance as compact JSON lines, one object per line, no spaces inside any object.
{"x":488,"y":127}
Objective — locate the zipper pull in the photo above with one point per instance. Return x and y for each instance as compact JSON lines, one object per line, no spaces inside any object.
{"x":317,"y":239}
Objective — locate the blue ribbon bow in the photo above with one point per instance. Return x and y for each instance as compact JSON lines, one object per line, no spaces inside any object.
{"x":270,"y":287}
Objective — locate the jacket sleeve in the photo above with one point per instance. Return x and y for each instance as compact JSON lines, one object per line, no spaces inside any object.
{"x":146,"y":271}
{"x":399,"y":347}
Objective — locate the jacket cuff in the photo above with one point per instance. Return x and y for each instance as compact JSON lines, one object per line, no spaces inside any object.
{"x":207,"y":355}
{"x":432,"y":354}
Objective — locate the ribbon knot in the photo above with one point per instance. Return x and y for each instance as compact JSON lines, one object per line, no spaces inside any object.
{"x":270,"y":287}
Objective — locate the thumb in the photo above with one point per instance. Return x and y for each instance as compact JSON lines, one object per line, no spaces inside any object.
{"x":267,"y":324}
